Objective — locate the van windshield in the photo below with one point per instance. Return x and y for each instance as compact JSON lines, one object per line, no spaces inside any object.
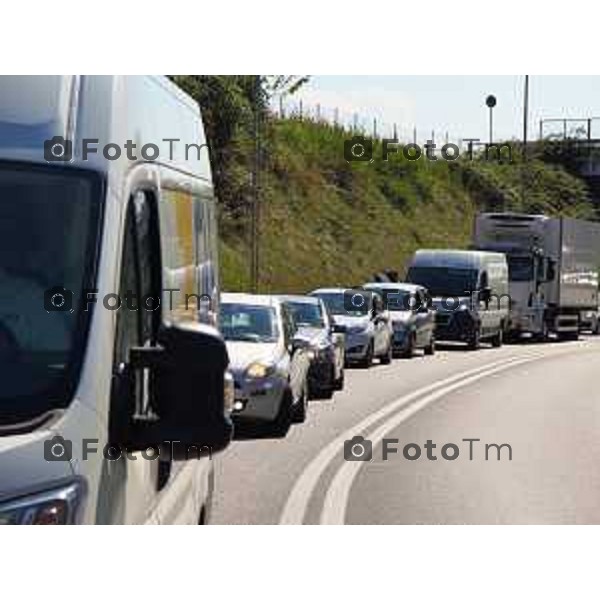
{"x":444,"y":281}
{"x":49,"y":226}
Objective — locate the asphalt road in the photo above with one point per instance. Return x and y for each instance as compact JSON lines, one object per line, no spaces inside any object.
{"x":542,"y":400}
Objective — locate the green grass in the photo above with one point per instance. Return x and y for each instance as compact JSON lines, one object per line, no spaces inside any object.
{"x":327,"y":222}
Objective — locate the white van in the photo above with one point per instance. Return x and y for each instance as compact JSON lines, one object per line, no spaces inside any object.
{"x":112,"y":367}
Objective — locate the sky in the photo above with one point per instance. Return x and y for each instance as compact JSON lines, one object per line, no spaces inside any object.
{"x":453,"y":105}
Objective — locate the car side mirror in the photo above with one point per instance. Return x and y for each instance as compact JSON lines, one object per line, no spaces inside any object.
{"x":187,"y":377}
{"x":338,"y":328}
{"x":485,"y":294}
{"x":297,"y":343}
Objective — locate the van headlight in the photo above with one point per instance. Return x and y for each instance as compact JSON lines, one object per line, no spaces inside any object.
{"x":259,"y":370}
{"x":61,"y":506}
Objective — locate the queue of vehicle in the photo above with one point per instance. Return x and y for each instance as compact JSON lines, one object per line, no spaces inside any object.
{"x":112,"y":416}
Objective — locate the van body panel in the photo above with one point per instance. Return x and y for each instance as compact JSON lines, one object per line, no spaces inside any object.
{"x":146,"y":110}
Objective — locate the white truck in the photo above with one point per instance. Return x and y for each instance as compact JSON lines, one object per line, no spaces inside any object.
{"x":553,"y":269}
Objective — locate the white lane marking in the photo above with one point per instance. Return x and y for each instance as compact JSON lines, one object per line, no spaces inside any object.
{"x":295,"y":507}
{"x":336,"y":498}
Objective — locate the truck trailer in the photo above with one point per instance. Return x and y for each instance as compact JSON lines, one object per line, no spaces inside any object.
{"x":553,"y":269}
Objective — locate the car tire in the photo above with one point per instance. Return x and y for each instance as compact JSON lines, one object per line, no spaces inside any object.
{"x":339,"y":382}
{"x":498,"y":339}
{"x":325,"y":393}
{"x":430,"y":348}
{"x":300,"y":408}
{"x":367,"y":361}
{"x":283,"y":421}
{"x":474,"y":342}
{"x":386,"y":359}
{"x":410,"y":351}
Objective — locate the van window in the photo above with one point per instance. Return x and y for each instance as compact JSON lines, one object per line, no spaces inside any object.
{"x":178,"y":244}
{"x":49,"y":235}
{"x":206,"y":252}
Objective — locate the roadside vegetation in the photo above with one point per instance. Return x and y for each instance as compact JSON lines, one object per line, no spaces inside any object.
{"x":324,"y":221}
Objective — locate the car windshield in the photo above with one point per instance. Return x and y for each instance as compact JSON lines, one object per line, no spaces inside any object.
{"x":394,"y":299}
{"x":307,"y":314}
{"x":248,"y":323}
{"x":49,"y":228}
{"x":354,"y":303}
{"x":444,"y":281}
{"x":520,"y":268}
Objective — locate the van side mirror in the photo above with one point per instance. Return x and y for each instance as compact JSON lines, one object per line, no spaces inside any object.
{"x":186,"y":375}
{"x":338,"y":328}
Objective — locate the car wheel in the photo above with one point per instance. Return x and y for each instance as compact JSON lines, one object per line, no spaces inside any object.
{"x":474,"y":342}
{"x":326,"y":394}
{"x":410,"y":350}
{"x":367,"y":361}
{"x":430,"y":348}
{"x":300,"y":408}
{"x":497,"y":339}
{"x":339,"y":382}
{"x":282,"y":422}
{"x":386,"y":359}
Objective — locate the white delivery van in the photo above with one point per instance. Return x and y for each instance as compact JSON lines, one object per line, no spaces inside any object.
{"x":113,"y":370}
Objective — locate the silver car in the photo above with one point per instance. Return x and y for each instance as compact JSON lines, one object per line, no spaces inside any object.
{"x":368,"y":328}
{"x":412,"y":318}
{"x":269,"y":365}
{"x":326,"y":340}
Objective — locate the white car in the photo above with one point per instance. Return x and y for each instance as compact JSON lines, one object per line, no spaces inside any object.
{"x":369,"y":333}
{"x":413,"y":320}
{"x":269,"y":365}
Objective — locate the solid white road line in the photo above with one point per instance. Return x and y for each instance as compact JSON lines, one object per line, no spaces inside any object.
{"x":336,"y":499}
{"x":295,"y":507}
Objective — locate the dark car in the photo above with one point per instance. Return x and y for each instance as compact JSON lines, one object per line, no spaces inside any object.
{"x":325,"y":340}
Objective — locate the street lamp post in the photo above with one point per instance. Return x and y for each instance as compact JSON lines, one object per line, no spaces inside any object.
{"x":490,"y":102}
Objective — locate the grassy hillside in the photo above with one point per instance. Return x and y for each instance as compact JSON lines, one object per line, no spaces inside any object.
{"x":327,"y":222}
